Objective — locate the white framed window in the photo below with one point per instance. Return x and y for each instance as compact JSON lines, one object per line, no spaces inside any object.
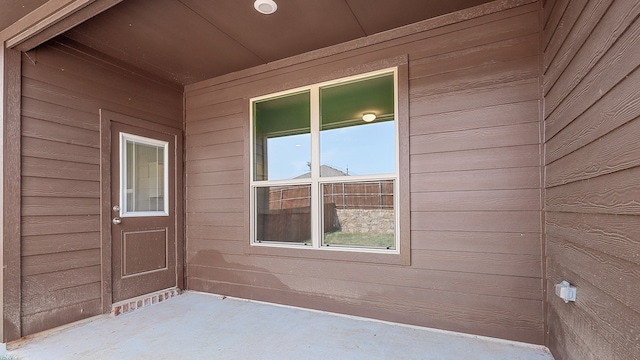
{"x":325,"y":165}
{"x":144,"y":176}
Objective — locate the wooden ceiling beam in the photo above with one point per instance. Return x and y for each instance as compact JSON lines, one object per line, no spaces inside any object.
{"x":49,"y":20}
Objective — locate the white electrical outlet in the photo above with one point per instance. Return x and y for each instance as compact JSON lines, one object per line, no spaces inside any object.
{"x":566,"y":292}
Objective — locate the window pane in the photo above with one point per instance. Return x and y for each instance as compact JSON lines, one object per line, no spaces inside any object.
{"x":348,"y":144}
{"x":359,"y":214}
{"x":283,"y":214}
{"x":282,"y":140}
{"x":144,"y":180}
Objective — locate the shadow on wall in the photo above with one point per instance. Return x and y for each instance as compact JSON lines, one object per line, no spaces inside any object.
{"x":208,"y":271}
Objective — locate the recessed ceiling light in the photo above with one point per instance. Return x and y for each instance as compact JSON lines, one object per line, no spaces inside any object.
{"x":368,"y":117}
{"x":266,"y":7}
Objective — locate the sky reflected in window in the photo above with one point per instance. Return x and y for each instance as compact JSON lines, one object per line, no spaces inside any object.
{"x":355,"y":150}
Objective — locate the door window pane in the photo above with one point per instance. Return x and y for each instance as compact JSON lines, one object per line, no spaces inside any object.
{"x":144,"y":175}
{"x":284,"y":213}
{"x":359,"y":214}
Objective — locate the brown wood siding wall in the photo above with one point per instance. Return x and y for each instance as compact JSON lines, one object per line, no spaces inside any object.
{"x":63,"y":90}
{"x":475,"y":170}
{"x":592,"y":131}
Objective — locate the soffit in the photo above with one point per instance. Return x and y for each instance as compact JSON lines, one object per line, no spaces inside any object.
{"x":12,"y":10}
{"x":186,"y":41}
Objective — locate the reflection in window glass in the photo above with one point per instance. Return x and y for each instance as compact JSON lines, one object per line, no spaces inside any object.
{"x":283,"y":213}
{"x":347,"y":142}
{"x":289,"y":156}
{"x":359,"y":214}
{"x":282,"y":140}
{"x":366,"y":149}
{"x":144,"y":181}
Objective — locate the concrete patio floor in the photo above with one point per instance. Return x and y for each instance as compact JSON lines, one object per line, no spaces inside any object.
{"x":202,"y":326}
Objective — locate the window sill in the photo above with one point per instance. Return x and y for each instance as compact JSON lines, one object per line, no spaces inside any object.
{"x":329,"y":253}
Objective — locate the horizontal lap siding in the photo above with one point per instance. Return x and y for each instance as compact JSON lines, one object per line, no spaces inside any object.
{"x":475,"y":180}
{"x":592,"y":126}
{"x":63,"y":90}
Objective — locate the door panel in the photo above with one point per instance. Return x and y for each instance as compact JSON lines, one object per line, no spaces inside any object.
{"x":144,"y":251}
{"x":143,"y":229}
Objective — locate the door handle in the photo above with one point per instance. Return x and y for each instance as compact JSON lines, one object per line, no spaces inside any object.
{"x":116,"y":220}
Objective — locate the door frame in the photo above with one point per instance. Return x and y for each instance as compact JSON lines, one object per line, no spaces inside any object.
{"x":106,"y":119}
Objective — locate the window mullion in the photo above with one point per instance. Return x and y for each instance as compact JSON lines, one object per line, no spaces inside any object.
{"x":315,"y":167}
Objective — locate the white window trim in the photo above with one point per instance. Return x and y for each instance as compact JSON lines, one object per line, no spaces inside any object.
{"x":316,"y":212}
{"x":123,"y":175}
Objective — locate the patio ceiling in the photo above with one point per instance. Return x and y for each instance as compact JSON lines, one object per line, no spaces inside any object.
{"x":186,"y":41}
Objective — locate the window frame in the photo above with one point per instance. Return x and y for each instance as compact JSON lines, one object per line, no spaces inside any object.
{"x":316,"y":181}
{"x":124,"y":137}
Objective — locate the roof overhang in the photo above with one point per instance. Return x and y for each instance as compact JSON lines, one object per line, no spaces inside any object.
{"x":49,"y":20}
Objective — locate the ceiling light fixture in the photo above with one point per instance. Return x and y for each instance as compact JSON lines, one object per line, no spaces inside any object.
{"x":266,"y":7}
{"x":368,"y":117}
